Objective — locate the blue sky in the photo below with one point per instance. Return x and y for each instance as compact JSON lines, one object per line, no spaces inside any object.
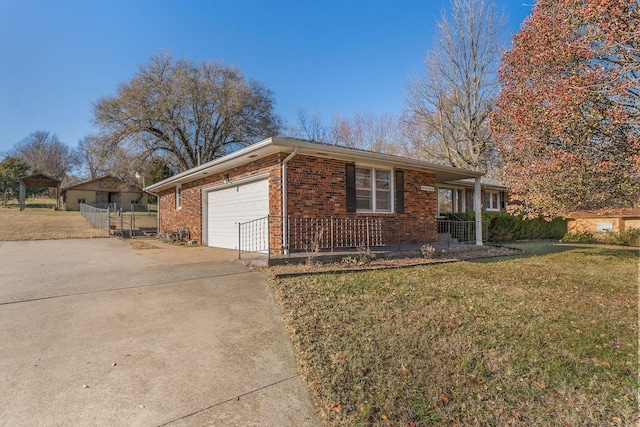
{"x":59,"y":57}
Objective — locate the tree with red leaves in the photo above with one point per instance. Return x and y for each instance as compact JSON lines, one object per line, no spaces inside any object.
{"x":567,"y":119}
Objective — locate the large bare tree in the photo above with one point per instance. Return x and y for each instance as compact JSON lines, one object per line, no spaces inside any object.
{"x":92,"y":161}
{"x":45,"y":153}
{"x":192,"y":113}
{"x":449,"y":103}
{"x":99,"y":156}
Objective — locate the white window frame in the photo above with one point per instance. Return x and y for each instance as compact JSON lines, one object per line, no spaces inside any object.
{"x":490,"y":199}
{"x":178,"y":197}
{"x":604,"y":227}
{"x":374,"y":190}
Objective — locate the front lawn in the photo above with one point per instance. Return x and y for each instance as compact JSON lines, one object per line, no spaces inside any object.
{"x":43,"y":224}
{"x":547,"y":339}
{"x":39,"y":221}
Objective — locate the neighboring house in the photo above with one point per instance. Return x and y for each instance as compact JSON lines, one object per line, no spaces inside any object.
{"x":458,"y":196}
{"x":603,"y":220}
{"x":101,"y":192}
{"x":329,"y":197}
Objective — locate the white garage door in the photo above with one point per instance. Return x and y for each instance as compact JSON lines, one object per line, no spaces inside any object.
{"x":229,"y":206}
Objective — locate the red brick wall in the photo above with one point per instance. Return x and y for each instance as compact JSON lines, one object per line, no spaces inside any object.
{"x":189,"y":217}
{"x":316,"y":188}
{"x":419,"y":203}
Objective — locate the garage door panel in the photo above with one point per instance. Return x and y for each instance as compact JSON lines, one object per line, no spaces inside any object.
{"x":229,"y":206}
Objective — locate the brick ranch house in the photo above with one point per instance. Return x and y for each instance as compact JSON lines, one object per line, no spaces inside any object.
{"x":285,"y":194}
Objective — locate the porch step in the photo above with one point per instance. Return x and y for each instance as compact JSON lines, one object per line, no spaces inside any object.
{"x":446,"y":238}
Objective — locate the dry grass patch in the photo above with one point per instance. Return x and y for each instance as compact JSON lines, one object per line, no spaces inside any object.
{"x":546,"y":340}
{"x":141,"y":244}
{"x":44,"y":224}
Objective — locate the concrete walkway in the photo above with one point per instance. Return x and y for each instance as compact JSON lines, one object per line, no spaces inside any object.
{"x":97,"y":333}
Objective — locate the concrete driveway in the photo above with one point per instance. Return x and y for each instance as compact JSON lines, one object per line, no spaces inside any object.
{"x":96,"y":333}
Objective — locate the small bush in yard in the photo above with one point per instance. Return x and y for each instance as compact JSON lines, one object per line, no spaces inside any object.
{"x":427,"y":251}
{"x":583,"y":237}
{"x":364,"y":254}
{"x":628,"y":237}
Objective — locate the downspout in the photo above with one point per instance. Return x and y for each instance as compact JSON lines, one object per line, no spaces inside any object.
{"x":157,"y":213}
{"x":284,"y":200}
{"x":157,"y":210}
{"x":478,"y":208}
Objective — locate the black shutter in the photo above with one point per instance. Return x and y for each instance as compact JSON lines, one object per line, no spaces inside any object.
{"x":351,"y":187}
{"x":399,"y":191}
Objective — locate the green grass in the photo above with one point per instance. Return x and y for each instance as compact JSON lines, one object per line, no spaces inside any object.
{"x":547,"y":339}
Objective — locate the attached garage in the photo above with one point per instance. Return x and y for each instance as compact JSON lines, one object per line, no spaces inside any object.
{"x":229,"y":205}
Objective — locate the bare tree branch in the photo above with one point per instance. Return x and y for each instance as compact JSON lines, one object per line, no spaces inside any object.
{"x":187,"y":110}
{"x":450,"y":102}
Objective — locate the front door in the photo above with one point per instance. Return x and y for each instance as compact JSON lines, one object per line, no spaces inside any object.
{"x":114,"y":198}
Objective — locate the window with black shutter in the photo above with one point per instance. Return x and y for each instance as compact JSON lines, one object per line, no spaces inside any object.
{"x":351,"y":187}
{"x":399,"y":191}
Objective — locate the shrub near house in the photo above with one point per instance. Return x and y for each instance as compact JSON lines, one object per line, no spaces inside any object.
{"x":503,"y":227}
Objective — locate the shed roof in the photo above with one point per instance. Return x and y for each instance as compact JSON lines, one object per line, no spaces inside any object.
{"x":605,"y":213}
{"x":39,"y":180}
{"x":71,"y":187}
{"x":280,"y":144}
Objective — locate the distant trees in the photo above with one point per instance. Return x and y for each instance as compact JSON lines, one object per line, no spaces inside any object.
{"x":11,"y":169}
{"x":450,"y":102}
{"x":381,"y":133}
{"x":98,"y":158}
{"x":156,"y":170}
{"x":186,"y":112}
{"x":311,"y":127}
{"x":92,"y":160}
{"x":567,"y":122}
{"x":45,"y":153}
{"x":366,"y":131}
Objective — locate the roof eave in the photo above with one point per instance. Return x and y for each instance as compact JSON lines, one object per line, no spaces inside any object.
{"x":206,"y":168}
{"x":284,"y":144}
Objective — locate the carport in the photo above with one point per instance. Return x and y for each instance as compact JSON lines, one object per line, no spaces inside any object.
{"x":38,"y":180}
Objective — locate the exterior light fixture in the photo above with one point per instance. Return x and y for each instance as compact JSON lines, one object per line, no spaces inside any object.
{"x":140,"y":176}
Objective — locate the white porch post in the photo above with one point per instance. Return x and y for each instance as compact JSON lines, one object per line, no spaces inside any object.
{"x":478,"y":208}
